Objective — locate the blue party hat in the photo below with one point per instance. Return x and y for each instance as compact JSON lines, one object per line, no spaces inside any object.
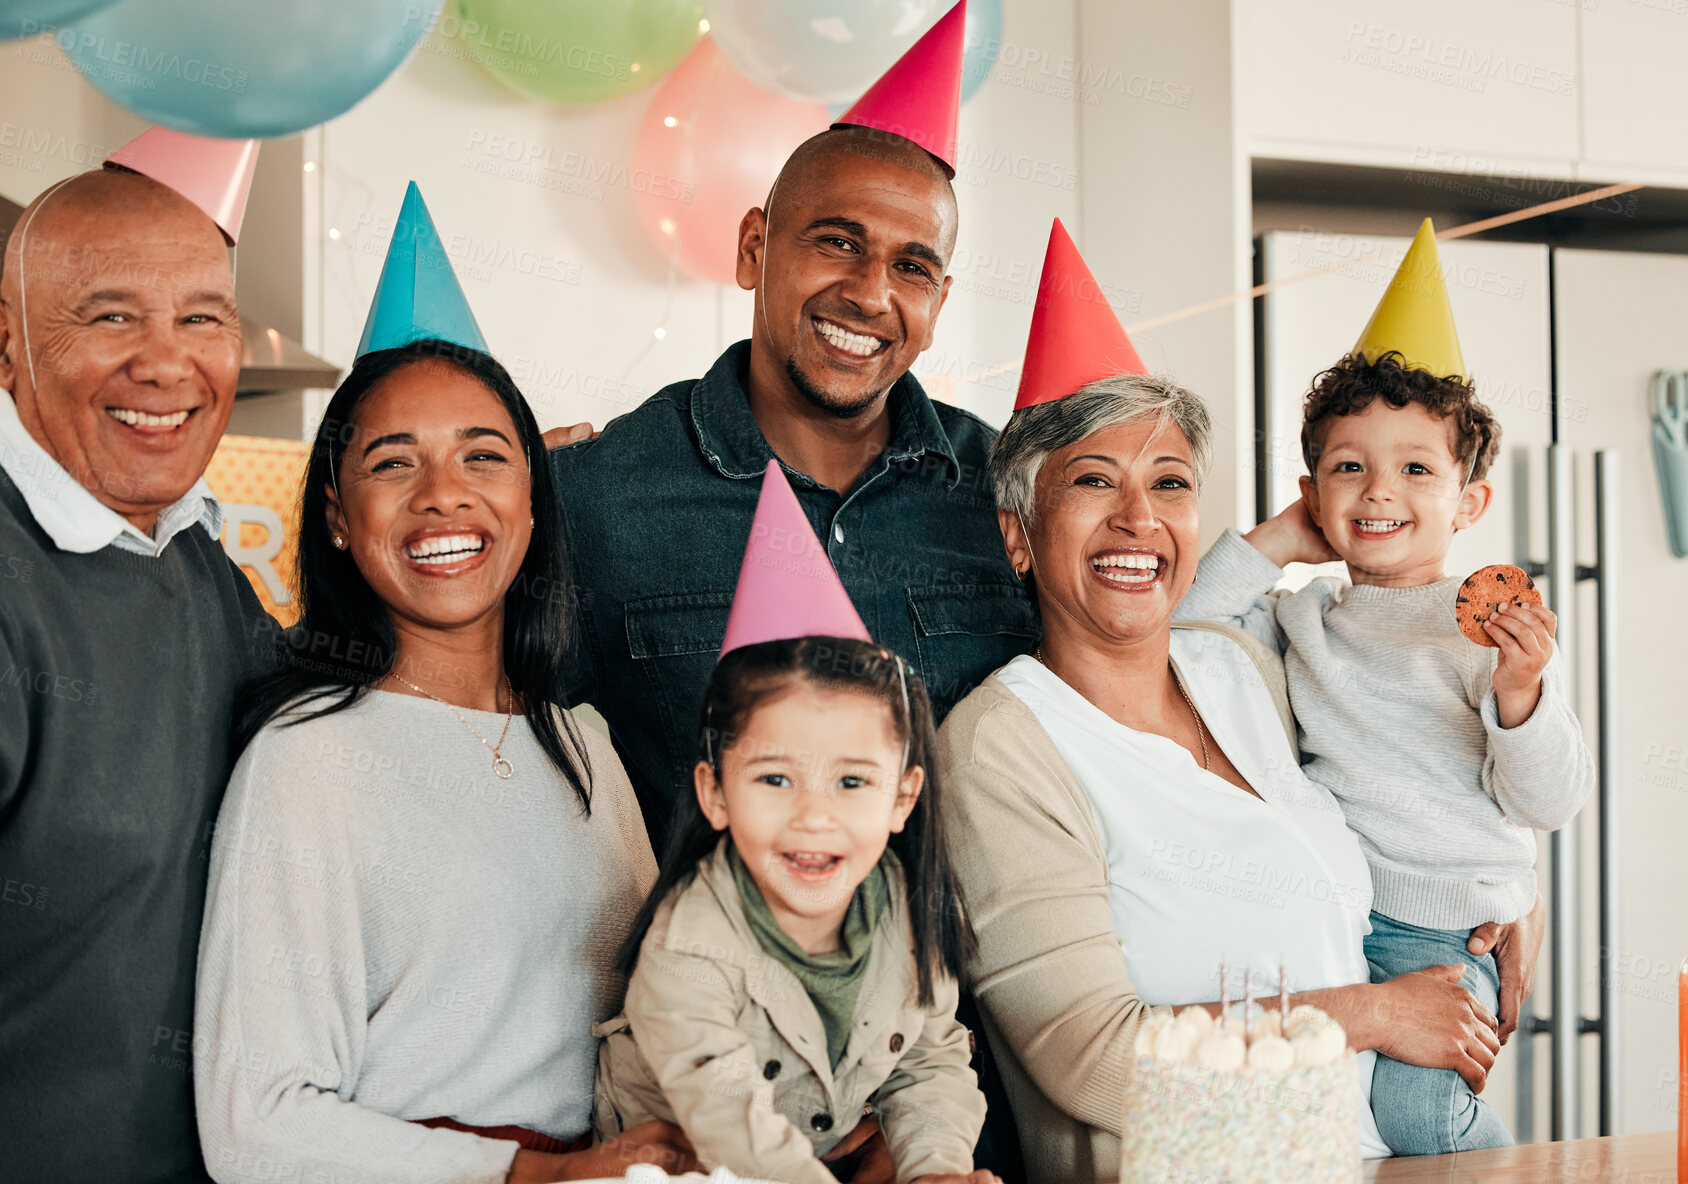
{"x":418,"y":297}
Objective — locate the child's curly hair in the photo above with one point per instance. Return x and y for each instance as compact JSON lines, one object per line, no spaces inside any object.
{"x":1349,"y":387}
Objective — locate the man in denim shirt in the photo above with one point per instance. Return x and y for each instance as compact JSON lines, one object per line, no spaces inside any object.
{"x":848,"y":264}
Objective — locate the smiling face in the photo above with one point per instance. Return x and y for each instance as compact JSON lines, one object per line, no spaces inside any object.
{"x":434,"y":497}
{"x":1116,"y":534}
{"x":849,"y":267}
{"x":811,"y":789}
{"x":133,"y":339}
{"x":1388,"y":493}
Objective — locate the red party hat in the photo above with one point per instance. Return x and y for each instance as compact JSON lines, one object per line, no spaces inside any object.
{"x":215,"y":175}
{"x":1075,"y":337}
{"x":919,"y":97}
{"x":786,"y":586}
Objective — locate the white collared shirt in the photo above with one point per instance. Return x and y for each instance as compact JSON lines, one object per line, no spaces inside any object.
{"x":75,"y":519}
{"x":1201,"y":872}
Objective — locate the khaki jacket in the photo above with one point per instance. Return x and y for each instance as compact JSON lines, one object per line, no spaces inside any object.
{"x":1057,"y":1001}
{"x":723,"y":1040}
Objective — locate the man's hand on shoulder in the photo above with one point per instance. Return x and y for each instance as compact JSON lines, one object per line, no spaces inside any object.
{"x":573,"y":434}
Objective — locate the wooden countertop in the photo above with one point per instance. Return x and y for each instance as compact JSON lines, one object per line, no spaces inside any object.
{"x":1622,"y":1159}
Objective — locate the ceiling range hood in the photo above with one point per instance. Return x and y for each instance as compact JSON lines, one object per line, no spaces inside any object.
{"x":269,"y":361}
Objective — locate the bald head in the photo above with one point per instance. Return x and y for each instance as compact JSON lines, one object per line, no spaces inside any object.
{"x":119,"y":339}
{"x":98,"y":210}
{"x":813,"y":169}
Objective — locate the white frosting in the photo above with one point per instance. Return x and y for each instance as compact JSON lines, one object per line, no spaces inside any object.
{"x":1318,"y":1044}
{"x":1271,"y":1054}
{"x":1157,"y":1022}
{"x":1303,"y":1013}
{"x":1175,"y":1043}
{"x":1197,"y":1020}
{"x":1223,"y":1052}
{"x":1192,"y":1038}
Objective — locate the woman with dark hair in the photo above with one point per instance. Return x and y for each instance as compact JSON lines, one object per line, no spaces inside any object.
{"x":424,"y":867}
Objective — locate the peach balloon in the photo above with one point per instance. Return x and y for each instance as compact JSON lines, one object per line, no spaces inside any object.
{"x":709,"y":148}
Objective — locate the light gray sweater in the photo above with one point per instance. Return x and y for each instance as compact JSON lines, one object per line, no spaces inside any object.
{"x":393,"y":933}
{"x":1398,"y":719}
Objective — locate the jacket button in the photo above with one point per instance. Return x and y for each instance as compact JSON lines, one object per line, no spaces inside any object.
{"x":771,"y":1070}
{"x":896,"y":1042}
{"x":821,"y":1122}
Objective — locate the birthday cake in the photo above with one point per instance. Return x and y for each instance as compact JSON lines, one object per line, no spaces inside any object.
{"x":1255,"y":1102}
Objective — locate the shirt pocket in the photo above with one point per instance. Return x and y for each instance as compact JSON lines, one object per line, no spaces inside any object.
{"x":965,"y":632}
{"x":674,"y":641}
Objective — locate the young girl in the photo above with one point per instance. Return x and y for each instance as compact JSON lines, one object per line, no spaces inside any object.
{"x":799,"y":956}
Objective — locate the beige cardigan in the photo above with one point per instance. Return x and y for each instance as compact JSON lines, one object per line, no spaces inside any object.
{"x":1057,"y":1001}
{"x":723,"y":1040}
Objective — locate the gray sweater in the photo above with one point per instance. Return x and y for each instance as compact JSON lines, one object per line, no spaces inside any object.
{"x":393,"y":933}
{"x":117,"y":680}
{"x":1399,"y":721}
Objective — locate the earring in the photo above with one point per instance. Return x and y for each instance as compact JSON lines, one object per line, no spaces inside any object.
{"x":340,"y":542}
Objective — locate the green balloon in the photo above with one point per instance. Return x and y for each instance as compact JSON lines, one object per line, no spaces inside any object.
{"x":576,"y":51}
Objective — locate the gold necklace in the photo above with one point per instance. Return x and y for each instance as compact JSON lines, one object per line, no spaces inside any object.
{"x":1201,"y":732}
{"x":501,"y":765}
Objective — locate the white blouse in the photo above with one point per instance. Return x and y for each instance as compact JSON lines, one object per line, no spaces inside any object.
{"x":1202,"y":872}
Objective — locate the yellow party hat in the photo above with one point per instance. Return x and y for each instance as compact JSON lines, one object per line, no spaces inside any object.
{"x":1414,"y":316}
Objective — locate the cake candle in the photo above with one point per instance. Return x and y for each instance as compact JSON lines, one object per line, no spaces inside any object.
{"x":1224,"y":994}
{"x":1283,"y":1002}
{"x":1248,"y":1004}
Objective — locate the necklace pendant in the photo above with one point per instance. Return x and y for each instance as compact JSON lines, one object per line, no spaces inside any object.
{"x":503,"y":768}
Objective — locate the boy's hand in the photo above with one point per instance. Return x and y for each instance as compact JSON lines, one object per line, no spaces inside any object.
{"x":1524,"y":634}
{"x":1291,"y":537}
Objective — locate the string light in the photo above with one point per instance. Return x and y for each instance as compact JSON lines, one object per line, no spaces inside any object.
{"x":660,"y":333}
{"x":333,"y":234}
{"x":703,"y":26}
{"x":310,"y":166}
{"x":670,"y":121}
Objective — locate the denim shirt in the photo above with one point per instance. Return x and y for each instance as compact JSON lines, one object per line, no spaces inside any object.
{"x":659,"y":509}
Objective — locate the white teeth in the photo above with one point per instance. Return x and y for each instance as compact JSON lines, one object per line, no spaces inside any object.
{"x":1377,"y":525}
{"x":445,"y":548}
{"x":141,"y":419}
{"x":1130,"y":568}
{"x":859,"y":344}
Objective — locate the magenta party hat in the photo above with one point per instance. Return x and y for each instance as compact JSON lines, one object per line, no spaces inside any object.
{"x":786,"y":586}
{"x":919,"y":97}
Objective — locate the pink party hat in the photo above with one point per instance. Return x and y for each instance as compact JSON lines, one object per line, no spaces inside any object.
{"x":215,"y":175}
{"x":1075,"y":337}
{"x":919,"y":97}
{"x":786,"y":586}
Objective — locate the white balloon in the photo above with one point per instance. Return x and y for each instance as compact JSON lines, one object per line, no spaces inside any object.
{"x":821,"y":51}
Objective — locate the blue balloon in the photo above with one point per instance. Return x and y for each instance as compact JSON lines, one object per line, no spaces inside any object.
{"x":245,"y":68}
{"x":27,"y":18}
{"x":981,"y":43}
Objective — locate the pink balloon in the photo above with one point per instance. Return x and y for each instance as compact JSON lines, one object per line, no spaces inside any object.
{"x":711,"y":145}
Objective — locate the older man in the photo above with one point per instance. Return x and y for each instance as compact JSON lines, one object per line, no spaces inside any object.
{"x":124,"y":633}
{"x":848,"y":261}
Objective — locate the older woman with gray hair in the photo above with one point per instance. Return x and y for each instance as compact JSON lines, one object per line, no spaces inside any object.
{"x":1136,"y":785}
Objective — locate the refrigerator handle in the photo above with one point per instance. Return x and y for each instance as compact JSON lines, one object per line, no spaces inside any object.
{"x":1562,"y":848}
{"x":1606,"y":514}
